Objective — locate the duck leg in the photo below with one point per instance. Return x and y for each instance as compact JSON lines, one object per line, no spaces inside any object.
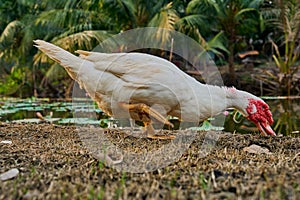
{"x":151,"y":133}
{"x":143,"y":109}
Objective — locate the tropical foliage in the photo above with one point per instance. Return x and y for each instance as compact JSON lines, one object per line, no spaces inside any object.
{"x":222,"y":27}
{"x":235,"y":18}
{"x":286,"y":18}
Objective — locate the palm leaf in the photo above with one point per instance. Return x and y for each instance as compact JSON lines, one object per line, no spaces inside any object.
{"x":198,"y":6}
{"x":8,"y":36}
{"x":55,"y":72}
{"x":240,"y":14}
{"x":217,"y":42}
{"x":214,"y":45}
{"x":253,"y":3}
{"x":26,"y":42}
{"x":62,"y":17}
{"x":166,"y":20}
{"x":82,"y":40}
{"x":194,"y":20}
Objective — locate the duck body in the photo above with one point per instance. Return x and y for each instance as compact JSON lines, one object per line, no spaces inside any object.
{"x":142,"y":87}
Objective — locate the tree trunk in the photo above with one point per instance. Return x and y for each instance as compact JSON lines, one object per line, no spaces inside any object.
{"x":35,"y":94}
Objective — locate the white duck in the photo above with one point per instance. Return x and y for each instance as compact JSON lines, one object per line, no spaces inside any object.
{"x":145,"y":87}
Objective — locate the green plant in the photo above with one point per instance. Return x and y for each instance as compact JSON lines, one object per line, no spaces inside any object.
{"x":286,"y":124}
{"x":233,"y":18}
{"x":120,"y":189}
{"x":288,"y":23}
{"x":13,"y":83}
{"x":202,"y":181}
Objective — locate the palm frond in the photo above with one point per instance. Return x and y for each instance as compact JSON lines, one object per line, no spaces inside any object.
{"x":82,"y":40}
{"x":55,"y":72}
{"x":198,"y":6}
{"x":217,"y":43}
{"x":27,"y":41}
{"x":166,"y":20}
{"x":121,"y":12}
{"x":252,"y":3}
{"x":8,"y":36}
{"x":193,"y":20}
{"x":128,"y":6}
{"x":214,"y":45}
{"x":73,"y":30}
{"x":62,"y":17}
{"x":239,"y":15}
{"x":52,"y":5}
{"x":188,"y":23}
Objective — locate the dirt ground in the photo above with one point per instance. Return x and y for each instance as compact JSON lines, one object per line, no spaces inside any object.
{"x":54,"y":163}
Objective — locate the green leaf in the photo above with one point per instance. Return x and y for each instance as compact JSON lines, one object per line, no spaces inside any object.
{"x":207,"y":126}
{"x":239,"y":15}
{"x":216,"y":43}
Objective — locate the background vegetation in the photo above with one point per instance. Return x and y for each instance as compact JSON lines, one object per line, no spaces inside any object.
{"x":225,"y":28}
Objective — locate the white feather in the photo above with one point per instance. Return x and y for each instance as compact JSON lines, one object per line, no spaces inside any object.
{"x":143,"y":78}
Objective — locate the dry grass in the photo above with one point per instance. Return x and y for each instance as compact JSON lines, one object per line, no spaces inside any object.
{"x":54,"y":164}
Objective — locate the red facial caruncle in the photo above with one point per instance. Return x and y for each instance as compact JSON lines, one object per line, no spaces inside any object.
{"x":259,"y":113}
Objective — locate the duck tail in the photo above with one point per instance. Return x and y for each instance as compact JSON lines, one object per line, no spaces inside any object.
{"x":69,"y":61}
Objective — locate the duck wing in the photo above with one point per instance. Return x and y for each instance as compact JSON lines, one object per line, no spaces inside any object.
{"x":142,"y":78}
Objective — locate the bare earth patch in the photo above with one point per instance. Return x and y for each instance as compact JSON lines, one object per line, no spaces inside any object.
{"x":54,"y":164}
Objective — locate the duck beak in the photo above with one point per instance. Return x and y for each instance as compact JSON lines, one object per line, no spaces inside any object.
{"x":265,"y":128}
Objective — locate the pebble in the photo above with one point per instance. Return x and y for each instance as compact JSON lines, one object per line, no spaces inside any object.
{"x":9,"y":174}
{"x":6,"y":142}
{"x":256,"y":149}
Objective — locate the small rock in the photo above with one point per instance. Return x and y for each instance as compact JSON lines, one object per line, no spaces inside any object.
{"x":31,"y":194}
{"x":6,"y":142}
{"x":9,"y":174}
{"x":256,"y":149}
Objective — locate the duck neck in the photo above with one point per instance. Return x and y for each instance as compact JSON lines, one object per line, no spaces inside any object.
{"x":214,"y":99}
{"x":237,"y":99}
